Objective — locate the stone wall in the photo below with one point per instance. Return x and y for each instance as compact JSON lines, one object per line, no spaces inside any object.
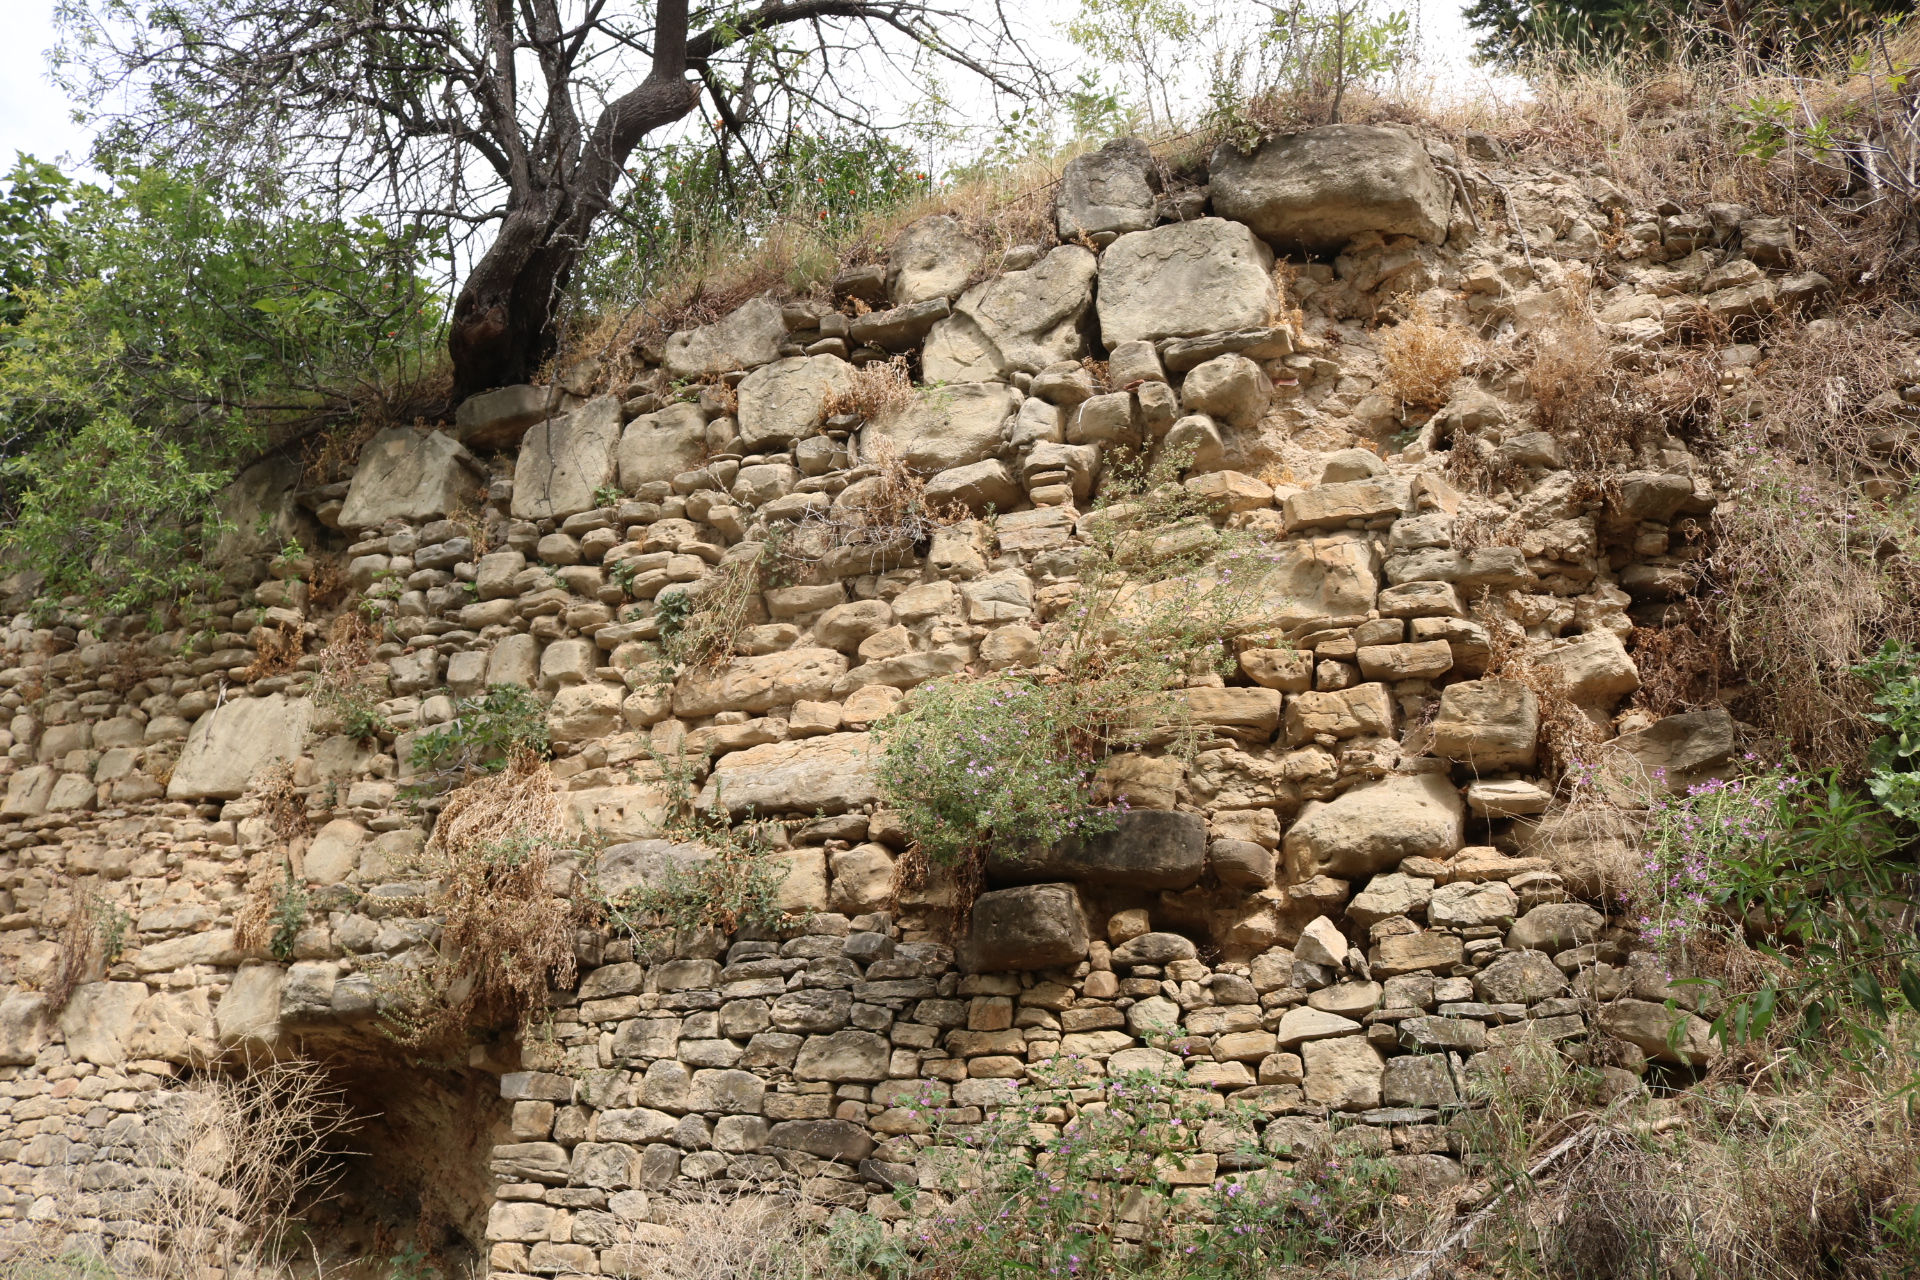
{"x":1357,"y":900}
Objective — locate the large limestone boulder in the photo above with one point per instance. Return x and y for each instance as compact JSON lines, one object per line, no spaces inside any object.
{"x":829,"y":774}
{"x":1375,"y":825}
{"x":1319,"y":188}
{"x":497,"y":419}
{"x":1033,"y":927}
{"x":229,"y":745}
{"x":1229,"y":387}
{"x":1590,"y":668}
{"x":1671,"y":1035}
{"x":258,"y":516}
{"x":746,"y":339}
{"x":1146,"y":849}
{"x":1670,"y":754}
{"x":1186,"y":278}
{"x":788,"y":400}
{"x":762,"y":683}
{"x":659,"y":446}
{"x":1309,"y":579}
{"x":410,"y":475}
{"x":248,"y":1016}
{"x":96,"y":1019}
{"x":1022,"y":321}
{"x":1344,"y":1074}
{"x":932,"y":258}
{"x":565,"y":460}
{"x":173,"y":1026}
{"x":24,"y":1021}
{"x":635,"y":811}
{"x":950,"y":427}
{"x":1490,"y":724}
{"x":1106,"y":190}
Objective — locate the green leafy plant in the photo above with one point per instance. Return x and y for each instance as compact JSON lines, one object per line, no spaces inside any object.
{"x":289,"y":917}
{"x":732,"y":883}
{"x":1893,"y":762}
{"x":484,"y":734}
{"x":608,"y":495}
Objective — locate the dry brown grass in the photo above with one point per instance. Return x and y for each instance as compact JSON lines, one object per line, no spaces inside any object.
{"x":1424,"y":354}
{"x":1808,"y":573}
{"x":505,"y":937}
{"x":879,"y":391}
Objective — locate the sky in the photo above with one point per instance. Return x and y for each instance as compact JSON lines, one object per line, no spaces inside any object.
{"x":35,"y":117}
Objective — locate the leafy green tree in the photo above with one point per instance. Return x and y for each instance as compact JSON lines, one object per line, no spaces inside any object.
{"x":164,"y":331}
{"x":1152,"y":37}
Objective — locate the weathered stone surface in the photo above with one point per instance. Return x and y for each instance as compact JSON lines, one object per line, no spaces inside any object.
{"x":845,"y":1057}
{"x":1592,"y":667}
{"x":1031,"y":927}
{"x":1230,"y":388}
{"x":838,"y":1140}
{"x":25,"y":1017}
{"x":1555,"y":926}
{"x":1412,"y":952}
{"x":746,"y":339}
{"x":1330,"y":506}
{"x":1154,"y":948}
{"x":406,"y":474}
{"x":1508,"y":798}
{"x":761,"y":683}
{"x":96,"y":1016}
{"x":1375,"y":825}
{"x":1316,"y":189}
{"x":977,"y":486}
{"x":958,"y":425}
{"x":1519,"y":977}
{"x":1344,"y":1073}
{"x":1144,"y":849}
{"x":1390,"y":895}
{"x":1182,"y":279}
{"x":660,"y":446}
{"x":228,"y":746}
{"x":497,"y":419}
{"x":1302,"y":1024}
{"x":1106,"y":190}
{"x":1419,"y":1080}
{"x":248,"y":1016}
{"x":789,"y":399}
{"x":335,"y":852}
{"x":629,"y":812}
{"x":1672,"y":753}
{"x":1649,"y":1026}
{"x":931,"y":258}
{"x":829,"y":774}
{"x":1465,"y":905}
{"x":1021,"y":321}
{"x":564,"y":461}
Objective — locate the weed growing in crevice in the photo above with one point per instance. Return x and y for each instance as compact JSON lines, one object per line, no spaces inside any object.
{"x":1424,"y":354}
{"x":345,"y":688}
{"x":721,"y":878}
{"x":274,"y":913}
{"x":484,"y":735}
{"x":96,"y":931}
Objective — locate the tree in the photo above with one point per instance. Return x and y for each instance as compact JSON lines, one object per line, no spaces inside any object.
{"x":154,"y":337}
{"x":1766,"y":31}
{"x":515,"y":118}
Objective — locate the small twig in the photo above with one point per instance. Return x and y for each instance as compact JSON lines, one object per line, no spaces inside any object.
{"x":1460,"y":189}
{"x":1513,"y":215}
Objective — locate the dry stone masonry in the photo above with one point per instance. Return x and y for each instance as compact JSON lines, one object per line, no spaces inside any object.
{"x":1355,"y":907}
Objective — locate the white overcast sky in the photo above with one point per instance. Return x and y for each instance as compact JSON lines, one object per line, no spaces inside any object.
{"x":36,"y":118}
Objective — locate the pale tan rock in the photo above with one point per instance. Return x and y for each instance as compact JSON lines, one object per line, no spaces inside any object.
{"x":227,"y":747}
{"x":335,"y":852}
{"x":1490,"y":724}
{"x":831,"y":774}
{"x":762,"y":683}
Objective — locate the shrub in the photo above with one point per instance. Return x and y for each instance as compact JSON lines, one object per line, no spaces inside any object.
{"x":1893,"y":762}
{"x":485,"y":734}
{"x":1424,"y":354}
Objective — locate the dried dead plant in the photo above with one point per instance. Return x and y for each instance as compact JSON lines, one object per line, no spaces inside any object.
{"x":1424,"y":354}
{"x":506,"y":938}
{"x":276,"y":651}
{"x":878,"y":391}
{"x":79,"y":951}
{"x":227,"y":1162}
{"x":1568,"y":733}
{"x":746,"y":1237}
{"x":1808,"y":573}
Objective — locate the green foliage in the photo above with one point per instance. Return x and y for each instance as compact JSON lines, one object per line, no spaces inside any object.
{"x":682,"y":197}
{"x":161,"y":332}
{"x":483,"y":736}
{"x":1004,"y":759}
{"x":1893,"y":764}
{"x":1151,"y":37}
{"x":1105,"y":1194}
{"x":288,"y":916}
{"x":731,"y":883}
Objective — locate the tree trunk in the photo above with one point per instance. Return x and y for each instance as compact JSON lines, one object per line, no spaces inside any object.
{"x":505,"y":317}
